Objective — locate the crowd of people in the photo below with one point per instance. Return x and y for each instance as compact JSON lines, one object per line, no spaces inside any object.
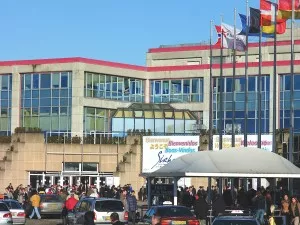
{"x":29,"y":197}
{"x":263,"y":201}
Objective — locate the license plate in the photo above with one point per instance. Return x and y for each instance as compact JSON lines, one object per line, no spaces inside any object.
{"x":106,"y":218}
{"x":52,"y":207}
{"x":179,"y":222}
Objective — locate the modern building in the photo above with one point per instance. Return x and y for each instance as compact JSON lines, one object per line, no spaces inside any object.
{"x":170,"y":95}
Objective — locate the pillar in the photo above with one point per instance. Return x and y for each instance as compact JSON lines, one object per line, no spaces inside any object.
{"x":175,"y":179}
{"x":98,"y":183}
{"x":43,"y":179}
{"x":149,"y":192}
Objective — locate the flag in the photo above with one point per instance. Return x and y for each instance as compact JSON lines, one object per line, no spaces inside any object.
{"x":285,"y":8}
{"x":229,"y":38}
{"x":251,"y":33}
{"x":218,"y":29}
{"x":268,"y":11}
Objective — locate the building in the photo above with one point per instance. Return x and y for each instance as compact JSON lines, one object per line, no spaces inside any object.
{"x":81,"y":97}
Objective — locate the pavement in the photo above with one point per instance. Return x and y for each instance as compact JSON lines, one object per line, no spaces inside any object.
{"x":43,"y":222}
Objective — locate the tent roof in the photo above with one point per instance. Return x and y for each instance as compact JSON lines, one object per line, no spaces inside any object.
{"x":232,"y":162}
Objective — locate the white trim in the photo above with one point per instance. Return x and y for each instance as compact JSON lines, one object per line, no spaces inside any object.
{"x":245,"y":175}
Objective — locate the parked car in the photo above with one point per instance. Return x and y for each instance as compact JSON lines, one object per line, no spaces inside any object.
{"x":5,"y":214}
{"x":17,"y":211}
{"x":102,"y":208}
{"x":51,"y":205}
{"x":235,"y":217}
{"x":170,"y":214}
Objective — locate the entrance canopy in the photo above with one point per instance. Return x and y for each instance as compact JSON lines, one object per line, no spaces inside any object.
{"x":232,"y":162}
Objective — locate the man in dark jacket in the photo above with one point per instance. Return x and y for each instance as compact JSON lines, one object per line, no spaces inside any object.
{"x":218,"y":206}
{"x":131,"y":206}
{"x":89,"y":218}
{"x":201,"y":209}
{"x":259,"y":203}
{"x":115,"y":220}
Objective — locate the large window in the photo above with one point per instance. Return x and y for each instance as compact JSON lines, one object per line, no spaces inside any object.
{"x":5,"y":104}
{"x":47,"y":101}
{"x":97,"y":120}
{"x":285,"y":87}
{"x":157,"y":119}
{"x":182,"y":90}
{"x":114,"y":87}
{"x":239,"y":99}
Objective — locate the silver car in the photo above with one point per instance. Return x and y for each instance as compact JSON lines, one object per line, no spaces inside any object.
{"x":17,"y":212}
{"x":102,"y":209}
{"x":5,"y":214}
{"x":51,"y":205}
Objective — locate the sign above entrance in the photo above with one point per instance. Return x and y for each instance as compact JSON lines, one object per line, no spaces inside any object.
{"x":160,"y":150}
{"x":266,"y":141}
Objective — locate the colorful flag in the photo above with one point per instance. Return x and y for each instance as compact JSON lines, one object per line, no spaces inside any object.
{"x":268,"y":11}
{"x":229,"y":37}
{"x":285,"y":9}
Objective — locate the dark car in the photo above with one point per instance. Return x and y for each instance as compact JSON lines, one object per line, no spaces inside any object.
{"x":51,"y":205}
{"x":235,"y":220}
{"x":170,"y":214}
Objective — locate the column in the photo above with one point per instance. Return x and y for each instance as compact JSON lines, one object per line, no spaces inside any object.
{"x":147,"y":91}
{"x":98,"y":183}
{"x":175,"y":179}
{"x":43,"y":179}
{"x":77,"y":99}
{"x":61,"y":180}
{"x":15,"y":99}
{"x":71,"y":180}
{"x":149,"y":192}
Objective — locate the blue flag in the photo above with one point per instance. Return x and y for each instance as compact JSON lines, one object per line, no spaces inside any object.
{"x":250,"y":33}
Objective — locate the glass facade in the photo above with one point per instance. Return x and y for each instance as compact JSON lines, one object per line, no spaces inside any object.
{"x":114,"y":87}
{"x":179,"y":90}
{"x":240,"y":102}
{"x":285,"y":87}
{"x":97,"y":120}
{"x":160,"y":119}
{"x":46,"y":101}
{"x":5,"y":104}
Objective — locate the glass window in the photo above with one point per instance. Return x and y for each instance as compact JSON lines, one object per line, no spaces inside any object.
{"x":228,"y":84}
{"x":64,"y":80}
{"x":55,"y":80}
{"x":176,"y":86}
{"x":195,"y":86}
{"x":166,"y":88}
{"x":287,"y":82}
{"x":36,"y":81}
{"x":27,"y":81}
{"x":45,"y":80}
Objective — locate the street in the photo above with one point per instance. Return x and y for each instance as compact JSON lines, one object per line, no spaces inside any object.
{"x":43,"y":222}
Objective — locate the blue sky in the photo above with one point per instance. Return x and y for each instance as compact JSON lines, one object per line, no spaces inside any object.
{"x":113,"y":30}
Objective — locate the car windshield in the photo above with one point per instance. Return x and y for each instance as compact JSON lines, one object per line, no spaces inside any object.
{"x":105,"y":206}
{"x":174,"y":212}
{"x":235,"y":222}
{"x":51,"y":198}
{"x":3,"y":207}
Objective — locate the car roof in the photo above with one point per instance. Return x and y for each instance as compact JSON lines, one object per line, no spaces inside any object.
{"x":8,"y":200}
{"x":101,"y":199}
{"x":235,"y":217}
{"x":169,"y":206}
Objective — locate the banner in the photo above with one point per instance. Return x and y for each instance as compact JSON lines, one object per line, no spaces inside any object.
{"x":266,"y":141}
{"x":160,"y":150}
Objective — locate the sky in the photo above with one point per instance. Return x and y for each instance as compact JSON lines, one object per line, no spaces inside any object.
{"x":111,"y":30}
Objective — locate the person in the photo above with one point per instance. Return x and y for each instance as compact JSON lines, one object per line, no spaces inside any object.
{"x":115,"y":220}
{"x":35,"y":202}
{"x":260,"y":205}
{"x":156,"y":219}
{"x":285,"y":206}
{"x":132,"y":206}
{"x":89,"y":218}
{"x":294,"y":211}
{"x":201,"y":209}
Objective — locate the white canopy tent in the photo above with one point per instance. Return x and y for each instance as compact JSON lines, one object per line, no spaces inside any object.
{"x":232,"y":162}
{"x":239,"y":162}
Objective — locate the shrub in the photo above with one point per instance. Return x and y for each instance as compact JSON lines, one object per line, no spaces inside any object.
{"x":5,"y":139}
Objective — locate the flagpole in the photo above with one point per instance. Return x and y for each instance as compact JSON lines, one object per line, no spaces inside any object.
{"x":210,"y":105}
{"x":221,"y":117}
{"x":291,"y":138}
{"x":210,"y":90}
{"x":259,"y":92}
{"x":233,"y":84}
{"x":246,"y":90}
{"x":275,"y":84}
{"x":246,"y":79}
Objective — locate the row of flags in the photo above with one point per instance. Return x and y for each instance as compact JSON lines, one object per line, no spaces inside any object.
{"x":264,"y":19}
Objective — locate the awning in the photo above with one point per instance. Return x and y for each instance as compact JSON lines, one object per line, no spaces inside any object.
{"x":232,"y":162}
